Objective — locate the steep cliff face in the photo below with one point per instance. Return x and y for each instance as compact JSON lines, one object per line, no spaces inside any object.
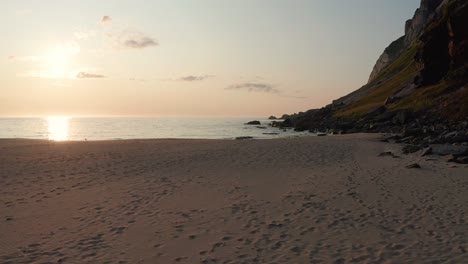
{"x":424,"y":73}
{"x":390,"y":54}
{"x":422,"y":16}
{"x":444,"y":46}
{"x":413,"y":29}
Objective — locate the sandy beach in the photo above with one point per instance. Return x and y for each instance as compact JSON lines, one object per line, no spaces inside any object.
{"x":293,"y":200}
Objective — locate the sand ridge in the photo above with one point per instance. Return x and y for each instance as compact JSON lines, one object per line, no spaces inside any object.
{"x":296,"y":200}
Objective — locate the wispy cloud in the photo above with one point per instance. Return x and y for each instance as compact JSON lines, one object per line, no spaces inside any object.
{"x":254,"y":87}
{"x":87,"y":75}
{"x":132,"y":39}
{"x":106,"y":20}
{"x":193,"y":78}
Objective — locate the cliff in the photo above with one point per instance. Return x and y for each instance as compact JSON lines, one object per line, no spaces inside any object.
{"x":413,"y":29}
{"x":419,"y":81}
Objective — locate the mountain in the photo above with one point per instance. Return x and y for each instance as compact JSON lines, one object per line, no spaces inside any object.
{"x":420,"y":80}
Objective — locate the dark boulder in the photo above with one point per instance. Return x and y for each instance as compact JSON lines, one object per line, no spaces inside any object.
{"x":255,"y":122}
{"x":401,"y":117}
{"x":426,"y":151}
{"x":447,"y":149}
{"x":243,"y":138}
{"x":411,"y":149}
{"x":287,"y":123}
{"x":414,"y":166}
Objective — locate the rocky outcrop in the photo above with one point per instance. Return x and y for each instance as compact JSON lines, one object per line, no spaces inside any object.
{"x":415,"y":26}
{"x":444,"y":52}
{"x":419,"y":91}
{"x":390,"y":54}
{"x":413,"y":29}
{"x":253,"y":123}
{"x":422,"y":94}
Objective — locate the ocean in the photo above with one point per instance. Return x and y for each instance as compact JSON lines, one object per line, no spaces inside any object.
{"x":78,"y":129}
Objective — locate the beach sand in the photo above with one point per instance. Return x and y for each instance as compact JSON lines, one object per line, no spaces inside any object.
{"x":297,"y":200}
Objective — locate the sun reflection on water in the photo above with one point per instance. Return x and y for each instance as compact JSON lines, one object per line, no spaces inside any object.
{"x":57,"y":127}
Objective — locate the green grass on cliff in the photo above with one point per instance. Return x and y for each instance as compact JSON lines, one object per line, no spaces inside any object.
{"x":448,"y":99}
{"x":422,"y":98}
{"x":392,"y":79}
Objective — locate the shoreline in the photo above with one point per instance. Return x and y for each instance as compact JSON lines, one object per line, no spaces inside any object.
{"x":289,"y":200}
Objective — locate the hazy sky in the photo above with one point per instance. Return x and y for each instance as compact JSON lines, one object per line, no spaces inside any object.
{"x":189,"y":58}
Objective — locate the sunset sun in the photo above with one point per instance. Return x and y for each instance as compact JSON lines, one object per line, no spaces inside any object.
{"x":57,"y":62}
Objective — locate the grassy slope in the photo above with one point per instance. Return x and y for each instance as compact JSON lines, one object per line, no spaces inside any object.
{"x":391,"y":80}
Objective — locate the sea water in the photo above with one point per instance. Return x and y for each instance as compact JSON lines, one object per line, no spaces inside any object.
{"x":75,"y":128}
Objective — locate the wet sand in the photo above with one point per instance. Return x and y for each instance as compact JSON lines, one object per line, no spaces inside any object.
{"x":297,"y":200}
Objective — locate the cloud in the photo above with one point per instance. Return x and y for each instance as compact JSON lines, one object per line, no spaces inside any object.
{"x":106,"y":19}
{"x":132,"y":39}
{"x":139,"y":42}
{"x":192,"y":78}
{"x":254,"y":87}
{"x":86,"y":75}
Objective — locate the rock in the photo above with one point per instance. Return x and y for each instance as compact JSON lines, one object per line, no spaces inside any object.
{"x":285,"y":116}
{"x":405,"y":140}
{"x":457,"y":159}
{"x":410,"y":149}
{"x":413,"y":166}
{"x":287,"y":123}
{"x":321,"y":134}
{"x":275,"y":124}
{"x":384,"y":117}
{"x":243,"y":138}
{"x":389,"y":55}
{"x":451,"y":158}
{"x":401,"y":117}
{"x":388,"y":154}
{"x":261,"y":127}
{"x":446,"y":149}
{"x":253,"y":123}
{"x":272,"y":118}
{"x":450,"y":134}
{"x":270,"y":134}
{"x":413,"y":132}
{"x":385,"y":154}
{"x":426,"y":151}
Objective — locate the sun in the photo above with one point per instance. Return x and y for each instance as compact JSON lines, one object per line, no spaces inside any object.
{"x":58,"y":61}
{"x":57,"y":64}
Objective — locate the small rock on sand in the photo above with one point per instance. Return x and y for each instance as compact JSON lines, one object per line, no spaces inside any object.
{"x":413,"y":166}
{"x":243,"y":138}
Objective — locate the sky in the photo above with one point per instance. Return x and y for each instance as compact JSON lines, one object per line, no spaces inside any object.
{"x":189,"y":57}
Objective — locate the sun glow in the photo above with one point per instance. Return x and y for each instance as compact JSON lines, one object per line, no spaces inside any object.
{"x":57,"y":127}
{"x":57,"y":63}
